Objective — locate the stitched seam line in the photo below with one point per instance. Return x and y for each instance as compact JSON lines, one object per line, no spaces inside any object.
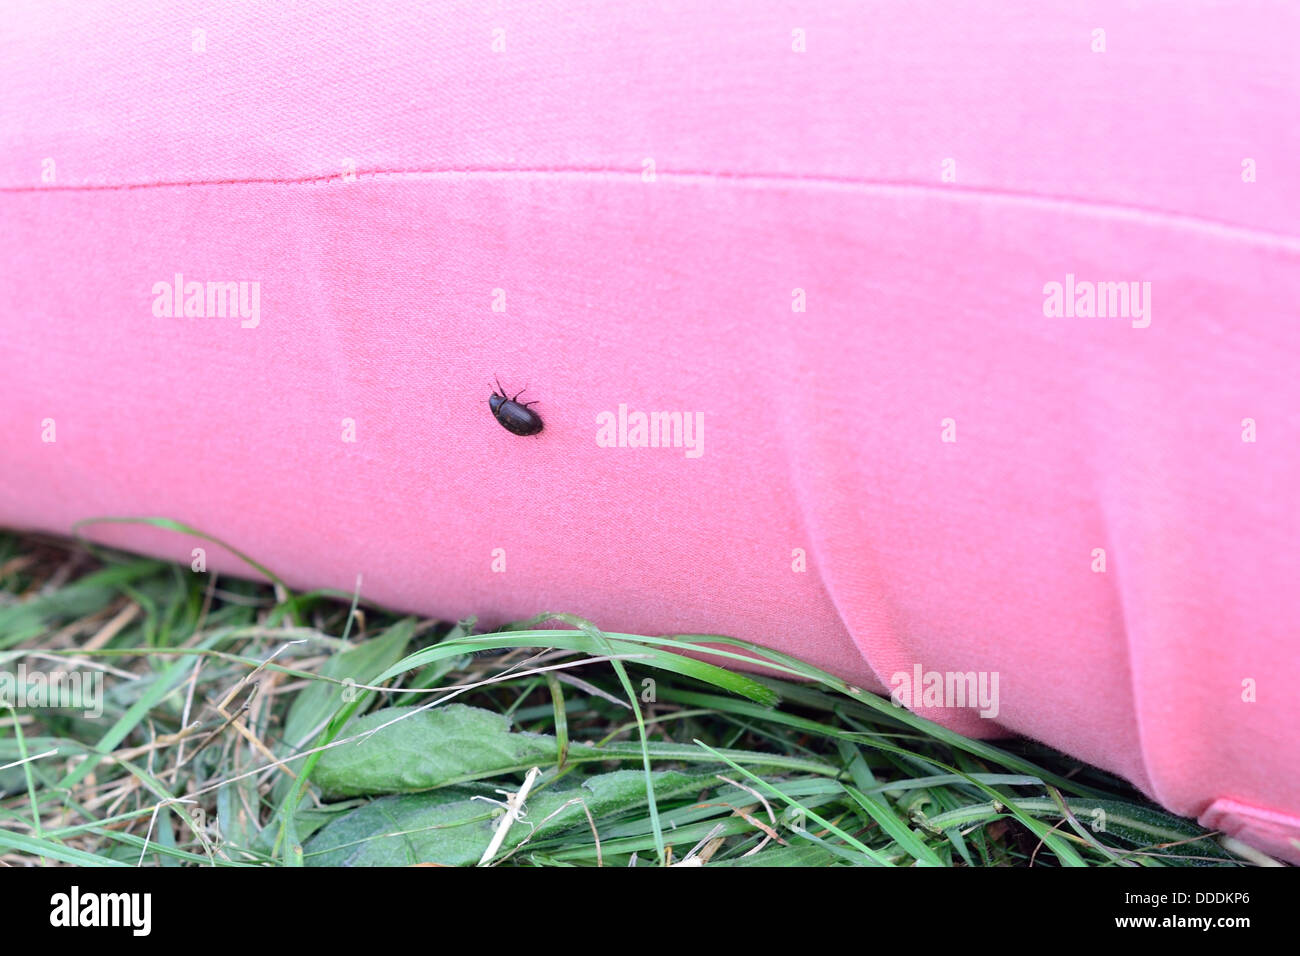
{"x":780,"y":180}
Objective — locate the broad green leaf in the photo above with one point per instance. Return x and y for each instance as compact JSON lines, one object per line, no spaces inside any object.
{"x":424,"y":749}
{"x":421,"y":750}
{"x":450,"y":827}
{"x":313,"y":708}
{"x":362,"y":664}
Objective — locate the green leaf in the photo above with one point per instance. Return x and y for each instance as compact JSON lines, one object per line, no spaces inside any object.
{"x":337,"y":710}
{"x":421,"y":750}
{"x":450,"y":827}
{"x":424,"y":749}
{"x":313,"y":708}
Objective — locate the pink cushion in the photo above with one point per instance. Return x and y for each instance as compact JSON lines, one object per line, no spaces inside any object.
{"x":922,"y":175}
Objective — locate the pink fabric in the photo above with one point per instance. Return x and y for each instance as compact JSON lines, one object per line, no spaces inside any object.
{"x":524,"y":169}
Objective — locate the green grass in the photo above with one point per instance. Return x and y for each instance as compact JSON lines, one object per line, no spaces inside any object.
{"x":246,"y":725}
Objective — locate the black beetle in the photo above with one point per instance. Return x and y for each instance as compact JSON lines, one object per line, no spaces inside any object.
{"x":515,"y":416}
